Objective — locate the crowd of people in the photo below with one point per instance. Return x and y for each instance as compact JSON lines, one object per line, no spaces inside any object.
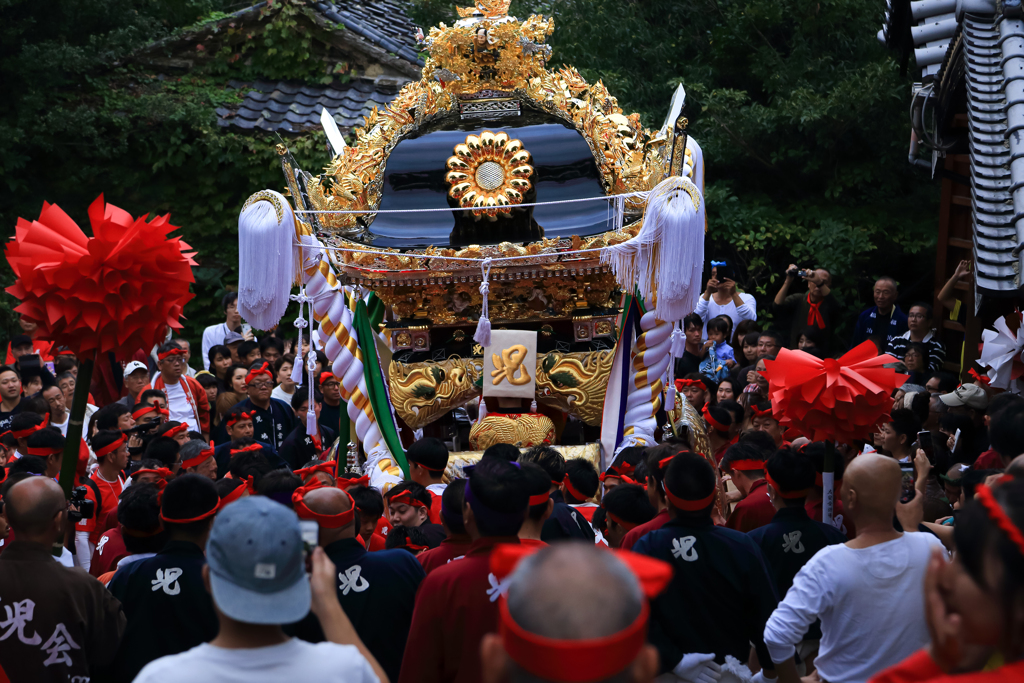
{"x":214,"y":534}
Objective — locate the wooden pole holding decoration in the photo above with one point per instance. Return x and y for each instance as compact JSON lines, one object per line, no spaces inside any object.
{"x":69,"y":465}
{"x":827,"y":480}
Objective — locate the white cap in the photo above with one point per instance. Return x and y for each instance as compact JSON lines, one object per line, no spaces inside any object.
{"x":133,"y":366}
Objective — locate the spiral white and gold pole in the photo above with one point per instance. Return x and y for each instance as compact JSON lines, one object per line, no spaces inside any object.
{"x":338,"y":337}
{"x":649,"y":361}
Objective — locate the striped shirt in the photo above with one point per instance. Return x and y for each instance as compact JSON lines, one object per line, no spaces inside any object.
{"x":936,"y":351}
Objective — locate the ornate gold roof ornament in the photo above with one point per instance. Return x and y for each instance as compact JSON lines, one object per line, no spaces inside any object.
{"x":489,"y":172}
{"x":492,"y":9}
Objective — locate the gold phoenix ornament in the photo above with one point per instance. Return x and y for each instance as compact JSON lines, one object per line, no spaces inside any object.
{"x":490,"y":173}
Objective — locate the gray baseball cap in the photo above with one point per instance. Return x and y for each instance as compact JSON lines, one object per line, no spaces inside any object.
{"x":257,"y":568}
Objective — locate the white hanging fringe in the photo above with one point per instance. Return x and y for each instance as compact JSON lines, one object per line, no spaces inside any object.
{"x":300,"y":322}
{"x":266,"y":259}
{"x":482,"y":336}
{"x":665,"y":260}
{"x":311,"y":369}
{"x":676,"y":350}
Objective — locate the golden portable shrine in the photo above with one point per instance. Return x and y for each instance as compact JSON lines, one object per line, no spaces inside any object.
{"x":501,"y":256}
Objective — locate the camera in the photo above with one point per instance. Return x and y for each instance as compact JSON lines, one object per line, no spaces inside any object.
{"x":80,"y":507}
{"x":799,"y":273}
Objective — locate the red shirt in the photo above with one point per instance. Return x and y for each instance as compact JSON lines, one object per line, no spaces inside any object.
{"x":587,"y":510}
{"x":451,"y":548}
{"x":989,"y":460}
{"x":532,"y":542}
{"x":383,"y":525}
{"x":376,"y":542}
{"x":920,"y":667}
{"x":756,"y":510}
{"x":455,"y":607}
{"x":435,"y":507}
{"x":110,"y":491}
{"x":634,"y":534}
{"x":109,"y":551}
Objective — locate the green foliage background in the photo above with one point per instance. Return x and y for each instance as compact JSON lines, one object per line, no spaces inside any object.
{"x":799,"y":111}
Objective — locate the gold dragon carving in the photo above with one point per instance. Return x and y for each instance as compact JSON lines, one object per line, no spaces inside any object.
{"x":572,"y":382}
{"x":522,"y":430}
{"x":423,"y":392}
{"x":575,"y":382}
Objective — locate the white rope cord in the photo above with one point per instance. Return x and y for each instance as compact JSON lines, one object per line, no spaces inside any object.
{"x":641,"y":195}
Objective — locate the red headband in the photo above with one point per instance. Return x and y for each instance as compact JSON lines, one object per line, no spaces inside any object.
{"x":330,"y":468}
{"x":148,"y":408}
{"x":540,"y":498}
{"x":405,"y":498}
{"x":176,"y":351}
{"x":343,"y":483}
{"x":413,"y":546}
{"x":198,"y":518}
{"x":327,"y":376}
{"x":246,"y":449}
{"x":29,"y":431}
{"x":202,"y":457}
{"x":761,"y":412}
{"x":683,"y":383}
{"x":573,"y":491}
{"x":235,"y":417}
{"x":688,"y":505}
{"x":628,"y":526}
{"x":161,"y":472}
{"x":110,"y":447}
{"x":802,"y":493}
{"x":573,"y":661}
{"x":745,"y":465}
{"x":262,"y":370}
{"x":46,"y":451}
{"x":998,"y":515}
{"x":718,"y":426}
{"x":327,"y":521}
{"x":980,"y":378}
{"x":663,"y":463}
{"x":235,"y":494}
{"x":174,"y":431}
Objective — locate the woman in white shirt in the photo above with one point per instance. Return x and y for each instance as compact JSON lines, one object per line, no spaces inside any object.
{"x":721,"y":298}
{"x":285,"y":388}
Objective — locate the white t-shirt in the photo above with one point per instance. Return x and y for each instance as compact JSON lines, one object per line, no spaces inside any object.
{"x":281,"y":395}
{"x":294,"y":660}
{"x":179,"y":407}
{"x":213,"y":336}
{"x":62,"y":426}
{"x":871,"y":605}
{"x":710,"y":309}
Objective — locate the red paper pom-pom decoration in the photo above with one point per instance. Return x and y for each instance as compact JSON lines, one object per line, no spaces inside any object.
{"x":839,"y":400}
{"x":116,"y":291}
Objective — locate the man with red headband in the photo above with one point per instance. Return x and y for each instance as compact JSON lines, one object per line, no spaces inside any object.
{"x":428,"y":459}
{"x":626,"y":507}
{"x":762,"y":419}
{"x":719,"y":422}
{"x":564,"y":522}
{"x":240,"y":429}
{"x":580,"y":484}
{"x":602,"y":608}
{"x":330,"y":412}
{"x":458,"y":603}
{"x":111,"y":449}
{"x":657,"y":459}
{"x":744,"y":462}
{"x":409,"y":506}
{"x":377,"y":590}
{"x":721,"y":594}
{"x":197,"y":458}
{"x":623,"y":469}
{"x":272,"y":420}
{"x":24,"y":425}
{"x":169,"y":609}
{"x":792,"y":537}
{"x":186,"y":398}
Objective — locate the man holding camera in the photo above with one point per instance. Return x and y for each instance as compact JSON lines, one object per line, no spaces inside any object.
{"x":816,"y":308}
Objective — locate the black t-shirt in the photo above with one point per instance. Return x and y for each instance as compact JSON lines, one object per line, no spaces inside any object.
{"x":5,"y":417}
{"x":686,"y":364}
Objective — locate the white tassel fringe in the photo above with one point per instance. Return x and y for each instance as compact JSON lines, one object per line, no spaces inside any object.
{"x":482,"y":336}
{"x":266,"y":259}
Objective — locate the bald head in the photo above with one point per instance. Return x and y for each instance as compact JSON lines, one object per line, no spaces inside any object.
{"x":872,"y":484}
{"x":31,"y":506}
{"x":1016,"y":468}
{"x":574,"y":591}
{"x":332,"y":501}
